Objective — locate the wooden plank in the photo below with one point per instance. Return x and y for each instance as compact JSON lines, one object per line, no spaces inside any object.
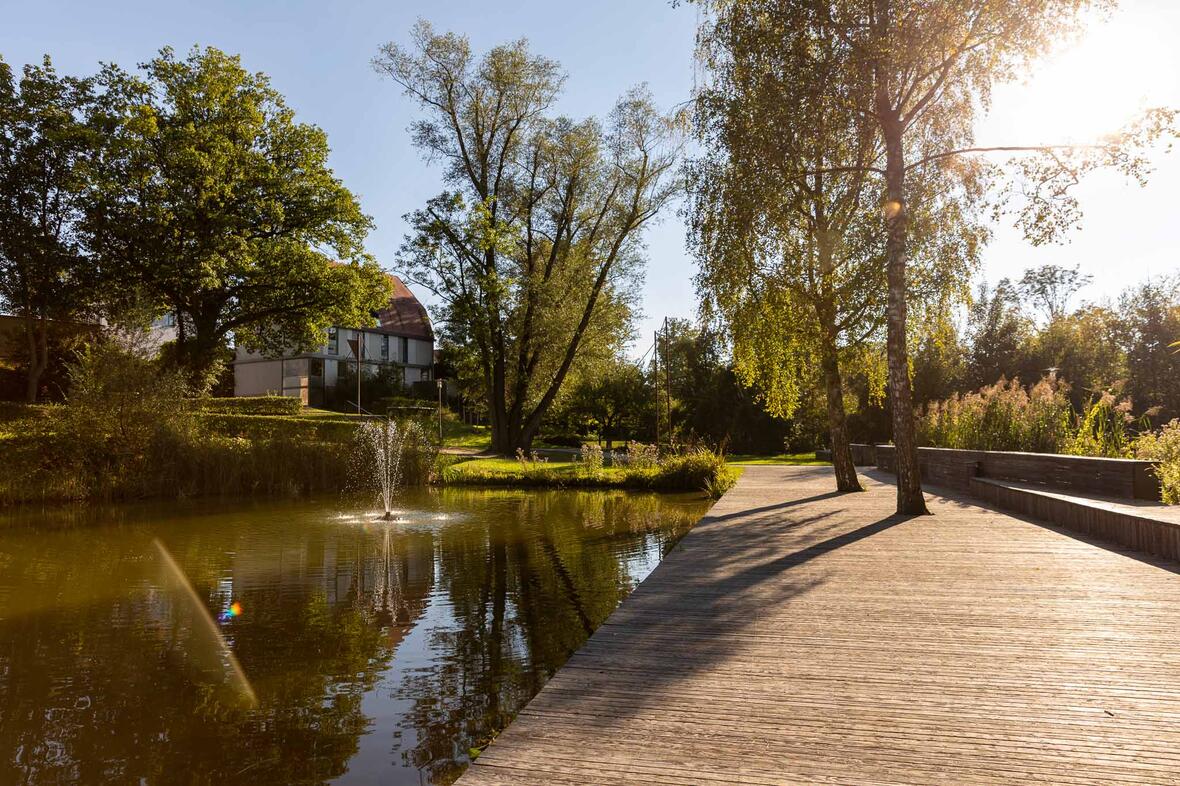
{"x":796,"y":635}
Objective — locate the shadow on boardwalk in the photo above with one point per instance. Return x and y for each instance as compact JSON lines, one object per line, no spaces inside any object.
{"x":799,"y":635}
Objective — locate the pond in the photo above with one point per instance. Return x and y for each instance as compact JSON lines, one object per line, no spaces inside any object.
{"x":302,"y":641}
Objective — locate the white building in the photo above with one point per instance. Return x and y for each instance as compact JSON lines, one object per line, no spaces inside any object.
{"x":401,"y":338}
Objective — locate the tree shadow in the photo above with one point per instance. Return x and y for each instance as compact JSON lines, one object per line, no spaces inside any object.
{"x":699,"y":605}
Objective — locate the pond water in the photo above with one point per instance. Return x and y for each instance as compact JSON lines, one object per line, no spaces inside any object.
{"x":297,"y":641}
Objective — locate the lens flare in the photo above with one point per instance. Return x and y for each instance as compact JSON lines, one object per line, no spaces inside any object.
{"x":234,"y":610}
{"x":213,"y":642}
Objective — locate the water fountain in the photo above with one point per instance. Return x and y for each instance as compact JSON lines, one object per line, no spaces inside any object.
{"x":385,"y":441}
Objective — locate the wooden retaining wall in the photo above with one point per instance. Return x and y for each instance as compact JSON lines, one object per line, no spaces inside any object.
{"x":1059,"y":489}
{"x":1123,"y":525}
{"x":1107,"y":477}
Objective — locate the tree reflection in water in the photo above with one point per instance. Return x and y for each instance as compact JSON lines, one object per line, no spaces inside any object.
{"x":374,"y":650}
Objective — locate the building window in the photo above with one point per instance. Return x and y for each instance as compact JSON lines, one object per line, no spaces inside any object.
{"x":404,"y":349}
{"x":333,"y":341}
{"x":385,"y":347}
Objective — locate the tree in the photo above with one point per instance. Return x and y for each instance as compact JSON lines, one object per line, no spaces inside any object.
{"x":535,"y":252}
{"x":47,"y":148}
{"x":614,"y":402}
{"x":783,"y":216}
{"x":709,"y":404}
{"x":1081,"y":348}
{"x":997,"y":332}
{"x":1049,"y":288}
{"x":217,"y":206}
{"x":1150,"y":317}
{"x":932,"y":66}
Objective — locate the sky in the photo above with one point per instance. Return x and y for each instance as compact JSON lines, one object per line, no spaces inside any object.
{"x":318,"y":54}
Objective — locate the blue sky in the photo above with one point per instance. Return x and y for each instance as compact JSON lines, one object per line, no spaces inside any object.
{"x":317,"y":54}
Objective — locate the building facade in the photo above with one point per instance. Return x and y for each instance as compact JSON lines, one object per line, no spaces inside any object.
{"x":401,"y":343}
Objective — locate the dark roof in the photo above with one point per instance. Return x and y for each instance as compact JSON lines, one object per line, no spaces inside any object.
{"x":404,"y":316}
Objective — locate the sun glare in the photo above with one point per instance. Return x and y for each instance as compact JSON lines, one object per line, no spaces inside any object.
{"x":1092,"y":86}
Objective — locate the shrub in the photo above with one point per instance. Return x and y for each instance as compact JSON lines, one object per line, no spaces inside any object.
{"x":1164,"y":447}
{"x":253,"y":405}
{"x":124,"y":415}
{"x":700,"y":470}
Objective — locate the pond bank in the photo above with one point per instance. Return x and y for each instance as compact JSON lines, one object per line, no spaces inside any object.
{"x":702,"y":471}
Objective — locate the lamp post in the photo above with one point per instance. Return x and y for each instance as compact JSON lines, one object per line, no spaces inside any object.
{"x":439,"y":382}
{"x":357,"y":348}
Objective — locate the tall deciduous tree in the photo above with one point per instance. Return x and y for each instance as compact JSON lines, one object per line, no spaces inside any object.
{"x":218,"y":206}
{"x":1049,"y":288}
{"x":535,"y":251}
{"x":931,"y":66}
{"x":47,"y":148}
{"x":785,"y":217}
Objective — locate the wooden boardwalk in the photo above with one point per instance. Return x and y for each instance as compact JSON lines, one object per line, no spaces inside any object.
{"x":797,"y":635}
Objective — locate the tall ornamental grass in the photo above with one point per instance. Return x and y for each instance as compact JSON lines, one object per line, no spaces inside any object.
{"x":1006,"y":416}
{"x":1003,"y":416}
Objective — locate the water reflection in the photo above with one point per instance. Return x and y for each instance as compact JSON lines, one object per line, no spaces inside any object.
{"x":375,"y":651}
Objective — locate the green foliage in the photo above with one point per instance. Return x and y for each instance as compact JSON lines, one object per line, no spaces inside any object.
{"x":253,"y":405}
{"x":1003,"y":416}
{"x":535,"y":250}
{"x":123,"y":417}
{"x":129,"y":431}
{"x":289,"y":427}
{"x":1149,"y":321}
{"x":613,"y":402}
{"x":1103,"y":429}
{"x":214,"y":204}
{"x":710,"y":404}
{"x":701,"y":471}
{"x":48,"y":149}
{"x":1164,"y":447}
{"x":1039,"y":419}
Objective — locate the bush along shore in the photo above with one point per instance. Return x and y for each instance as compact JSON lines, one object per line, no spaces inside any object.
{"x":130,"y":431}
{"x":700,"y":471}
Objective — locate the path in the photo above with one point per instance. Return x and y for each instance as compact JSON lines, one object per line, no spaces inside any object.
{"x":797,"y":635}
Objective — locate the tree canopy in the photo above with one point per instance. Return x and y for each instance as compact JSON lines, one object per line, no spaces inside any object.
{"x":216,"y":205}
{"x":48,"y":145}
{"x":535,"y":249}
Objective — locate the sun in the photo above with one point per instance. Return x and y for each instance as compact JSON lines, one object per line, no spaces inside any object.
{"x":1095,"y":85}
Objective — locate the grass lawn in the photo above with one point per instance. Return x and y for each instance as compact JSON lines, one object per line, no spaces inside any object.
{"x":457,"y":434}
{"x":792,"y":459}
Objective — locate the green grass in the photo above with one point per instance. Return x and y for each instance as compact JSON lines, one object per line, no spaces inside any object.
{"x":696,"y":472}
{"x":789,"y":459}
{"x":457,"y":434}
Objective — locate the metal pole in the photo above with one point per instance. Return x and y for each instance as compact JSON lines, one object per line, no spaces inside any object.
{"x":656,"y":374}
{"x":667,"y":382}
{"x":440,"y":388}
